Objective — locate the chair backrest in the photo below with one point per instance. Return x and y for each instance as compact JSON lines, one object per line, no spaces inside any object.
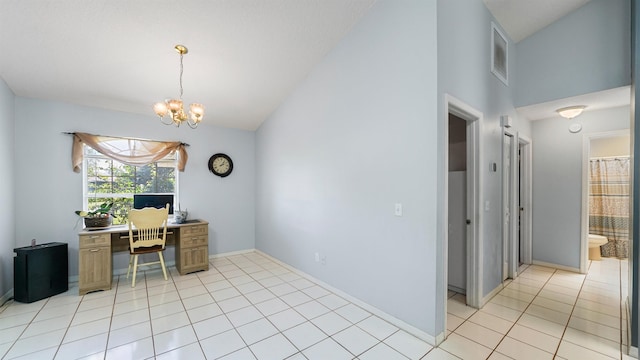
{"x":148,"y":227}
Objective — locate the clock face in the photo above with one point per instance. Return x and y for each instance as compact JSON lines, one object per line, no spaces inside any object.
{"x":221,"y":165}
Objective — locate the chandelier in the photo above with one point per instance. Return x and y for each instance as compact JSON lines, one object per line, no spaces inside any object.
{"x":174,"y":108}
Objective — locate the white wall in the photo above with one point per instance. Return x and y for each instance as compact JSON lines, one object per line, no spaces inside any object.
{"x":586,"y":51}
{"x":7,"y":188}
{"x":557,"y":182}
{"x":356,"y":137}
{"x":610,"y":146}
{"x":48,"y":191}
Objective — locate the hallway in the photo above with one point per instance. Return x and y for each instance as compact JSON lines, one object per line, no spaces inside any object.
{"x":544,"y":314}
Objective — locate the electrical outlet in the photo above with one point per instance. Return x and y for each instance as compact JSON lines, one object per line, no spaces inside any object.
{"x":317,"y":257}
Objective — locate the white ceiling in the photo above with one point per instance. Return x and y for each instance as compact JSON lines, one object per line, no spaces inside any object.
{"x":594,"y":101}
{"x":245,"y":56}
{"x":521,"y":18}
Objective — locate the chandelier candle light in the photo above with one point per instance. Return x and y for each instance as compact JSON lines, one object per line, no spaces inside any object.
{"x":175,"y":107}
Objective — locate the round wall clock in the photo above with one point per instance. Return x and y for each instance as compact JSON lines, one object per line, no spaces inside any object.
{"x":221,"y":165}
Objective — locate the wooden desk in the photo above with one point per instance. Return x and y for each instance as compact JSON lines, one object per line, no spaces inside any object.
{"x":191,"y":240}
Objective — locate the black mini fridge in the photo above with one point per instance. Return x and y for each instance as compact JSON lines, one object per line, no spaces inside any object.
{"x":40,"y":271}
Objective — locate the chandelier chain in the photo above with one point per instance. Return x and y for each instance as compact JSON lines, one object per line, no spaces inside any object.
{"x":181,"y":69}
{"x":175,"y":107}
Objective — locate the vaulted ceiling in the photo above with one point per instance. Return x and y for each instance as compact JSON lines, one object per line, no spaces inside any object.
{"x":245,"y":56}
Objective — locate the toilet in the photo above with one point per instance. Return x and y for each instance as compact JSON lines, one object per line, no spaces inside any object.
{"x":595,"y":241}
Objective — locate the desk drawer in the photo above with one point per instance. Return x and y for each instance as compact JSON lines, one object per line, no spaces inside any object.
{"x":190,"y":241}
{"x":193,"y":230}
{"x":92,"y":240}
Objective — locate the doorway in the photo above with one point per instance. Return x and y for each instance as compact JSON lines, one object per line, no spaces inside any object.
{"x":465,"y":122}
{"x":516,"y":203}
{"x":605,"y":145}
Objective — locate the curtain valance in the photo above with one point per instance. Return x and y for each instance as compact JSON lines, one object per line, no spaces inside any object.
{"x":129,"y":151}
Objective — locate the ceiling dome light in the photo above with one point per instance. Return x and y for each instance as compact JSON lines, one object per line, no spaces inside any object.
{"x":571,"y":111}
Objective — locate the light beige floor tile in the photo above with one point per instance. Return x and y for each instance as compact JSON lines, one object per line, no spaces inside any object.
{"x":599,"y":298}
{"x":572,"y":351}
{"x":84,"y":347}
{"x":191,"y":352}
{"x":594,"y":328}
{"x":497,"y":356}
{"x":530,"y":282}
{"x":453,"y":322}
{"x":253,"y":281}
{"x":42,"y":327}
{"x":509,"y":302}
{"x":553,"y":305}
{"x":519,"y":350}
{"x":502,"y":311}
{"x":86,"y":330}
{"x":479,"y":334}
{"x":35,"y":343}
{"x":548,"y":314}
{"x":608,"y":309}
{"x":408,"y":345}
{"x":592,"y":342}
{"x":439,"y":354}
{"x":542,"y":325}
{"x":10,"y":335}
{"x":561,"y":289}
{"x":459,"y":309}
{"x":533,"y":290}
{"x":492,"y":322}
{"x":465,"y":348}
{"x":515,"y":294}
{"x":535,"y":338}
{"x":600,"y":318}
{"x":560,"y":297}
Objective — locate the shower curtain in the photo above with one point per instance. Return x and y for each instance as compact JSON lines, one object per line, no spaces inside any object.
{"x":609,"y":203}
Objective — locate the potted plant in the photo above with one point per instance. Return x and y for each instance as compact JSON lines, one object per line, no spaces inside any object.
{"x":97,"y":218}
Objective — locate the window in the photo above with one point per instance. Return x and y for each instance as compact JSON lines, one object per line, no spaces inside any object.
{"x":108,"y":180}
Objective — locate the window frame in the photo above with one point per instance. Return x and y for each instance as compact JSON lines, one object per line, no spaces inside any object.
{"x":90,"y":153}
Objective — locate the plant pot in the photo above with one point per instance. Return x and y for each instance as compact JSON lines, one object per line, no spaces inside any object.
{"x":97,"y":222}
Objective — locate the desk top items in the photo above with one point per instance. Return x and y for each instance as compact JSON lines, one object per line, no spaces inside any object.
{"x":99,"y":218}
{"x":179,"y":216}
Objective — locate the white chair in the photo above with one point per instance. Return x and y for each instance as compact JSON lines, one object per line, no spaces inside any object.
{"x":147,"y":234}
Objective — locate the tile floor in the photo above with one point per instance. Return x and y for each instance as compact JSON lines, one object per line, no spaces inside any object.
{"x":250,"y":307}
{"x":545,"y":314}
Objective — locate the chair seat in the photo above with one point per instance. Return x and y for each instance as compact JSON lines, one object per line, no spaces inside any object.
{"x":146,"y":250}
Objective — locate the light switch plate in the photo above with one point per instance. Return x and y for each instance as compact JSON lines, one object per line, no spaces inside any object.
{"x":398,"y":209}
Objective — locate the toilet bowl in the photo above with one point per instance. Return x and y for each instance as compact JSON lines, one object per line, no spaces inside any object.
{"x":595,"y":241}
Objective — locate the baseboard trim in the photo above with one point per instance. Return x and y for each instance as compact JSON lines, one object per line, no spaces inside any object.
{"x":556,"y":266}
{"x":383,"y":315}
{"x":231,"y":253}
{"x":490,"y":296}
{"x":5,"y":298}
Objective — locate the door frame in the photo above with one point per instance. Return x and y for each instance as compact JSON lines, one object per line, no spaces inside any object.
{"x":586,"y":153}
{"x":526,"y":198}
{"x":474,"y":267}
{"x":509,"y":248}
